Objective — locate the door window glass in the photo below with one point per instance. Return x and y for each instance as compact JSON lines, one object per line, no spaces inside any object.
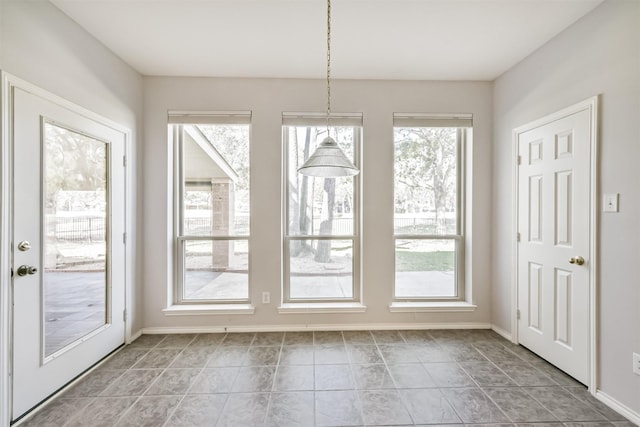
{"x":76,"y":206}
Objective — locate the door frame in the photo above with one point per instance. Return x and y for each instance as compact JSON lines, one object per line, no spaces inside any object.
{"x":590,"y":104}
{"x":7,"y":84}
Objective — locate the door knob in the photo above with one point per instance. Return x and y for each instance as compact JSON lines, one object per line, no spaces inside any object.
{"x":23,"y":270}
{"x":576,"y":260}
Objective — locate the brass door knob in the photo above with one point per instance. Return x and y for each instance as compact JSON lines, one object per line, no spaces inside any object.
{"x":576,"y":260}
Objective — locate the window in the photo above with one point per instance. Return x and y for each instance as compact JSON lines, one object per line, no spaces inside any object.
{"x":212,"y":207}
{"x":321,"y":241}
{"x":428,"y":206}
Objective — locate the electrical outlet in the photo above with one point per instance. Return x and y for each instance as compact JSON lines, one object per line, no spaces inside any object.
{"x":636,"y":363}
{"x":266,"y":298}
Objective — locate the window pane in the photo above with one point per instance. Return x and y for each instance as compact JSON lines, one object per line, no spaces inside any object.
{"x":216,"y":180}
{"x":425,"y":268}
{"x":318,"y":206}
{"x":216,"y":270}
{"x":76,"y":240}
{"x":425,"y":182}
{"x":321,"y":269}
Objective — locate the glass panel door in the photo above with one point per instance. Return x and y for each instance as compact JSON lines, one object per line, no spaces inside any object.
{"x":68,"y":253}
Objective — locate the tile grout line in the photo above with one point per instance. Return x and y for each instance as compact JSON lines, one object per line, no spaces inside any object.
{"x":226,"y":401}
{"x":206,"y":363}
{"x":97,"y":396}
{"x":186,"y":392}
{"x":386,"y":366}
{"x":273,"y":381}
{"x":353,"y":376}
{"x":478,"y":387}
{"x":129,"y":409}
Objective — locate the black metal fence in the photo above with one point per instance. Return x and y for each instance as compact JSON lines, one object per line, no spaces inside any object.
{"x":201,"y":226}
{"x":76,"y":228}
{"x":93,"y":229}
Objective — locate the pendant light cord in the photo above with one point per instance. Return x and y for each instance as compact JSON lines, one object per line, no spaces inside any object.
{"x":328,"y":63}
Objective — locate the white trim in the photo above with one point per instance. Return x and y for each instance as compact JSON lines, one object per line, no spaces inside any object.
{"x":620,"y":408}
{"x":8,"y":82}
{"x":593,"y":255}
{"x":134,"y":336}
{"x":208,"y":309}
{"x":130,"y":230}
{"x":431,"y":306}
{"x":459,"y":120}
{"x":514,"y":236}
{"x":209,"y":117}
{"x":502,"y":332}
{"x":319,"y":327}
{"x":590,"y":104}
{"x":320,"y":119}
{"x":5,"y":253}
{"x":319,"y":307}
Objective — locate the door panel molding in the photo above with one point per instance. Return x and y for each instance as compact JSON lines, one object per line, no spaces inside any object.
{"x":8,"y":85}
{"x":564,"y":148}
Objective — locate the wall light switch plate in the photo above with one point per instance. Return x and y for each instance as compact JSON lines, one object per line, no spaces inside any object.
{"x":610,"y":202}
{"x":266,"y":298}
{"x":636,"y":363}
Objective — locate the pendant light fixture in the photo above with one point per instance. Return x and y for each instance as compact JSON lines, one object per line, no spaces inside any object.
{"x":328,"y":160}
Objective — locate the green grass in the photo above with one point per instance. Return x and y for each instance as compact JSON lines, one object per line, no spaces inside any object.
{"x":425,"y":261}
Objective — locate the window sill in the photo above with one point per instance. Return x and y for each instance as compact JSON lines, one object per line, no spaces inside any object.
{"x":322,"y":307}
{"x":206,"y":309}
{"x":435,"y":306}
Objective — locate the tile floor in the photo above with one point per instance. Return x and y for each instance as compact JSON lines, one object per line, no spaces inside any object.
{"x":357,"y":378}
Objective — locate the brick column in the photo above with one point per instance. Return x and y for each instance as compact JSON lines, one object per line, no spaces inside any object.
{"x":222,"y":219}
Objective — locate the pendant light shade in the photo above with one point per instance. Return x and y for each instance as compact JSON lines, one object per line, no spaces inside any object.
{"x":328,"y":161}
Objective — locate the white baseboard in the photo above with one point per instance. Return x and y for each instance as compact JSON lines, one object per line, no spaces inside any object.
{"x":502,"y":332}
{"x":319,"y":327}
{"x":620,"y":408}
{"x":134,"y":336}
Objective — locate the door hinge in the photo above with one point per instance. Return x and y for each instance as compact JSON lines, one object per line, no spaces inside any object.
{"x":124,"y":161}
{"x":124,"y":238}
{"x":517,"y":237}
{"x":124,"y":315}
{"x":518,"y":314}
{"x":519,"y":160}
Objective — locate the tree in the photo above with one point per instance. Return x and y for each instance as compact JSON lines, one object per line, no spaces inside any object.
{"x":313,"y":201}
{"x":74,"y":162}
{"x":425,"y":170}
{"x":304,"y":190}
{"x":323,"y":253}
{"x":299,"y":223}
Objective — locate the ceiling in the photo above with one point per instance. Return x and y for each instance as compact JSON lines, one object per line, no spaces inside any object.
{"x":371,"y":39}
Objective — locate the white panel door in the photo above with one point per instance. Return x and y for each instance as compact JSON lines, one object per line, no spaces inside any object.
{"x":554,"y":225}
{"x":68,"y":251}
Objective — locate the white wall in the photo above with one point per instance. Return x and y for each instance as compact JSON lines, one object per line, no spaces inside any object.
{"x":267,"y":99}
{"x":41,"y":45}
{"x":600,"y":54}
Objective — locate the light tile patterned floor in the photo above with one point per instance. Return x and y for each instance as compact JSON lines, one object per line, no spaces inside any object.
{"x":360,"y":378}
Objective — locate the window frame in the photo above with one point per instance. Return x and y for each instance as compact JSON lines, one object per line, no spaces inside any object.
{"x":463,"y":134}
{"x":318,"y":120}
{"x":176,"y":123}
